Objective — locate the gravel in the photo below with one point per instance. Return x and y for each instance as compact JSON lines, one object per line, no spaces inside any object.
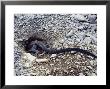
{"x":60,"y":31}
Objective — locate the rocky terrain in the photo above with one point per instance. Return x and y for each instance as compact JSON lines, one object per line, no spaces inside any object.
{"x":60,"y":31}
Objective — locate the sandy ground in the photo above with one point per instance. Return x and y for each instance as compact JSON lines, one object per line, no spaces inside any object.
{"x":60,"y":31}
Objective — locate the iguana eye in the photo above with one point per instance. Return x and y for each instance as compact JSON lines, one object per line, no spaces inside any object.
{"x":34,"y":48}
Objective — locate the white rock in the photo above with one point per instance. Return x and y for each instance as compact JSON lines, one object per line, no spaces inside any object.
{"x":19,"y":39}
{"x":47,"y":71}
{"x":71,"y":70}
{"x":89,"y":67}
{"x":81,"y":74}
{"x":30,"y":57}
{"x":15,"y":44}
{"x":53,"y":55}
{"x":70,"y":33}
{"x":61,"y":40}
{"x":41,"y":60}
{"x":51,"y":64}
{"x":27,"y":64}
{"x":85,"y":48}
{"x":87,"y":40}
{"x":91,"y":62}
{"x":78,"y":40}
{"x":77,"y":63}
{"x":81,"y":27}
{"x":80,"y":17}
{"x":78,"y":56}
{"x":93,"y":74}
{"x":72,"y":51}
{"x":24,"y":57}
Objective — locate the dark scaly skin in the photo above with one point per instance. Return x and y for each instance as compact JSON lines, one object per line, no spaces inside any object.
{"x":53,"y":51}
{"x":34,"y":45}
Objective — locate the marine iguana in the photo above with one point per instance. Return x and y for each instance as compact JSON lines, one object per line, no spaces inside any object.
{"x":35,"y":45}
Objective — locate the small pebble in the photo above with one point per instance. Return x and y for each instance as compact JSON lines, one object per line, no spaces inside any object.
{"x":61,"y":41}
{"x":27,"y":64}
{"x":70,"y":33}
{"x":81,"y":74}
{"x":78,"y":56}
{"x":30,"y":57}
{"x":91,"y":62}
{"x":89,"y":67}
{"x":80,"y":17}
{"x":72,"y":51}
{"x":53,"y":55}
{"x":93,"y":74}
